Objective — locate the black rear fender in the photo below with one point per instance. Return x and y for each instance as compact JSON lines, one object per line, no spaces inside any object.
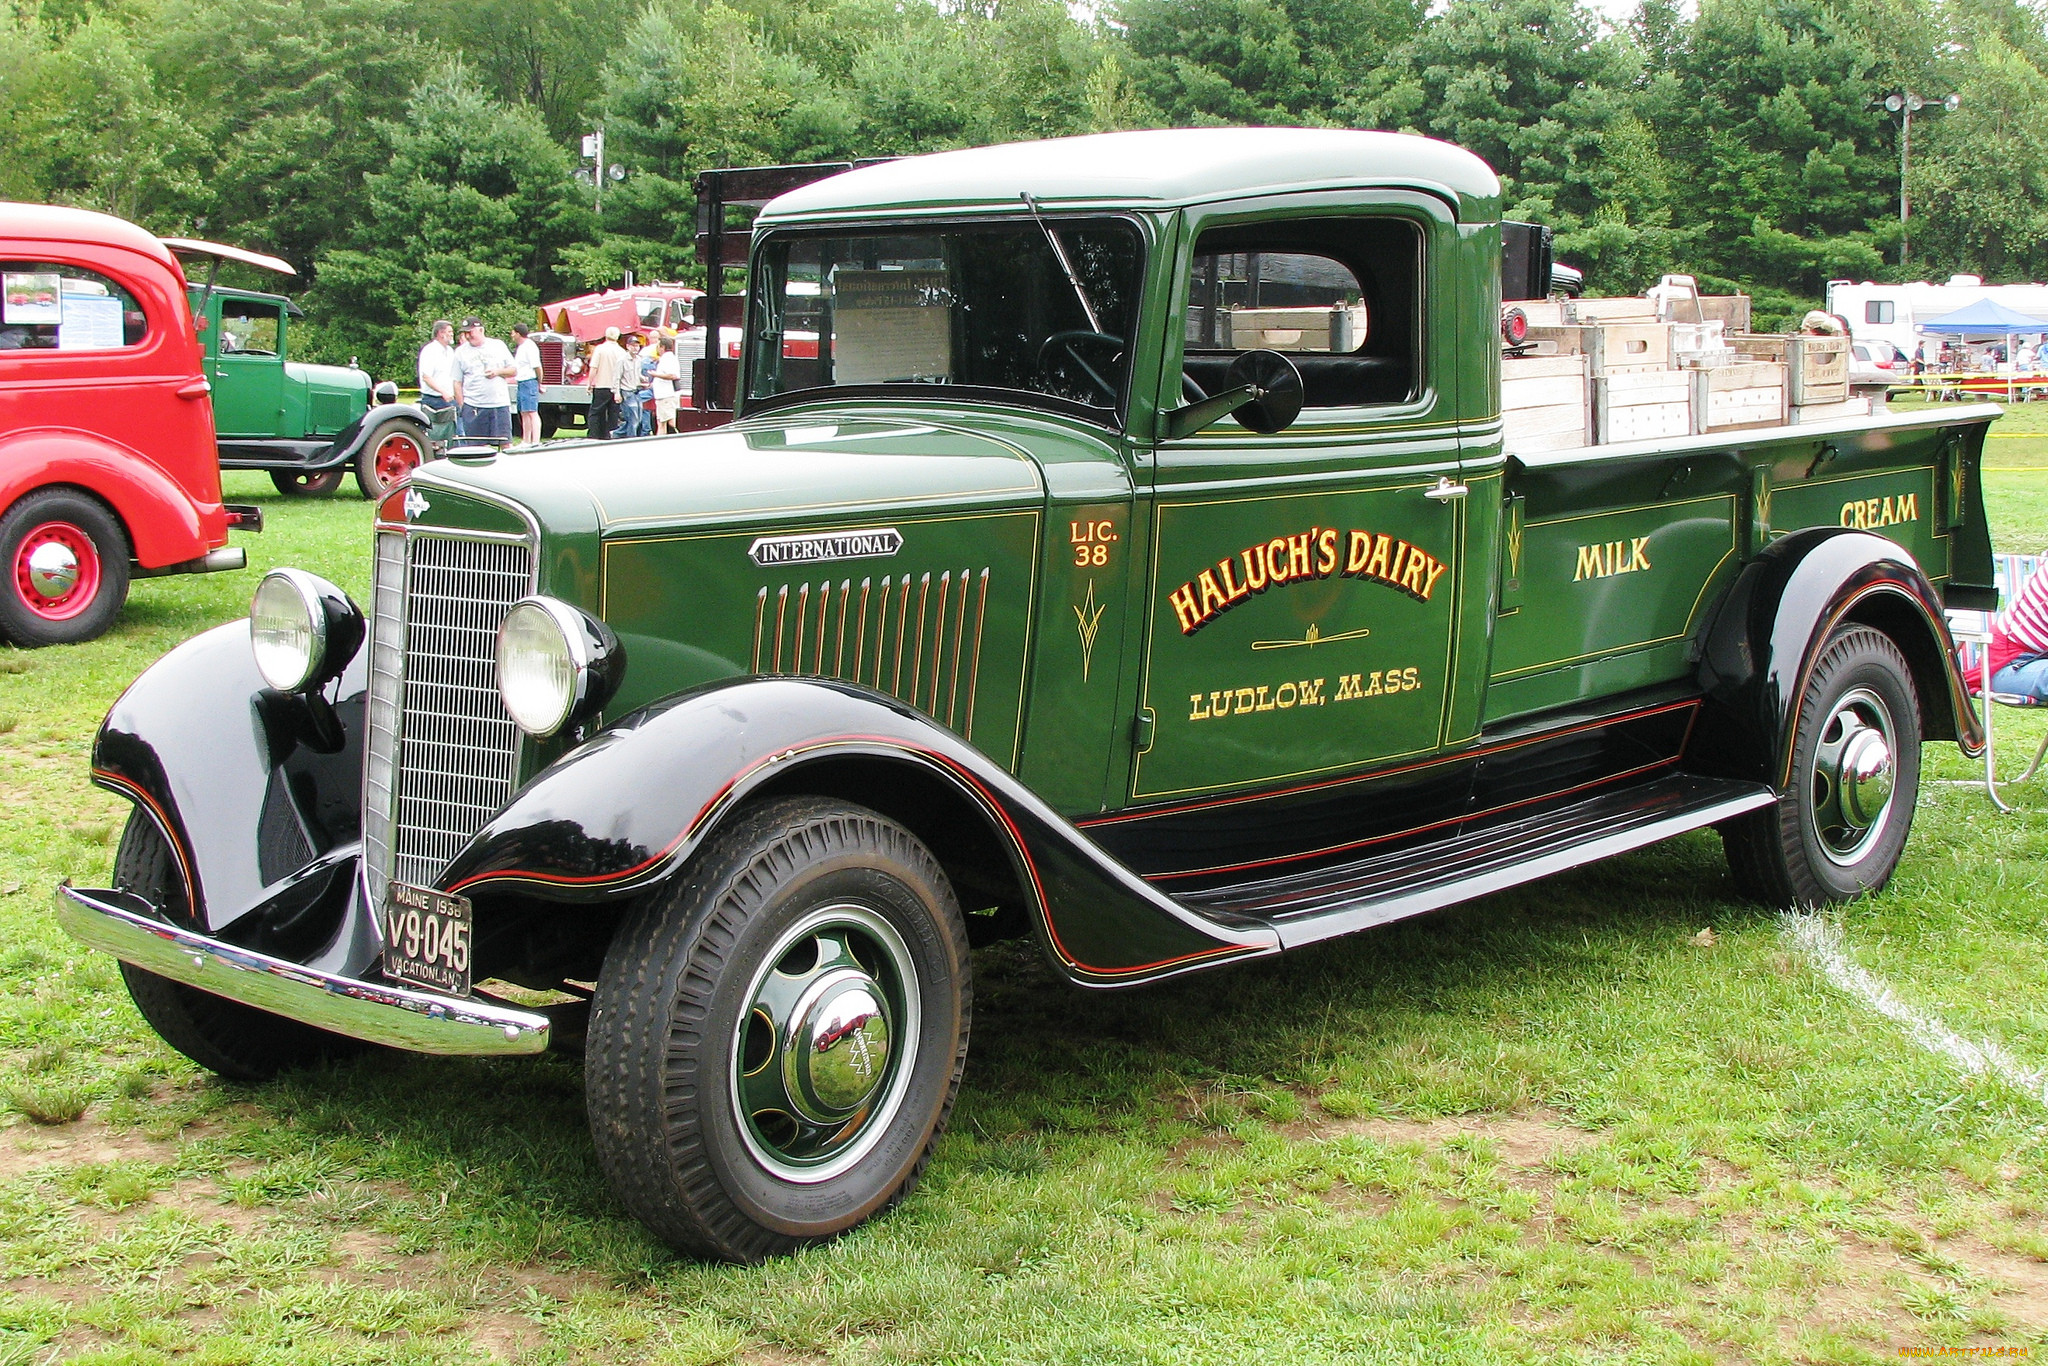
{"x":632,"y":807}
{"x":1761,"y":644}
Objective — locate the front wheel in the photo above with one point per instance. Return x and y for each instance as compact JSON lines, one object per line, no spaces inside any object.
{"x":394,"y":450}
{"x":306,"y":483}
{"x":67,"y":569}
{"x":778,"y":1035}
{"x":1839,"y":830}
{"x":239,"y":1042}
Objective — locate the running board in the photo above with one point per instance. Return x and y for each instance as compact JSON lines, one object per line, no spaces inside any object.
{"x":1347,"y":897}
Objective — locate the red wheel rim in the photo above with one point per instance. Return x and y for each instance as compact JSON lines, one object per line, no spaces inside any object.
{"x":397,"y":456}
{"x":67,"y":552}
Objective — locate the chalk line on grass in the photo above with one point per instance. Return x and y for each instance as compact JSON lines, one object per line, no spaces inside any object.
{"x":1821,"y":940}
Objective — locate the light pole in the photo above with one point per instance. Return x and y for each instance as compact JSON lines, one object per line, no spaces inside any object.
{"x":593,"y":152}
{"x":1905,"y":103}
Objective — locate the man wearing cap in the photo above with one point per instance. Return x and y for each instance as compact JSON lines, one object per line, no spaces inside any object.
{"x":482,"y":365}
{"x":607,"y":373}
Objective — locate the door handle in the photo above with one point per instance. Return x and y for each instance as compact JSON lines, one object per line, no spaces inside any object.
{"x":198,"y":388}
{"x":1444,"y":491}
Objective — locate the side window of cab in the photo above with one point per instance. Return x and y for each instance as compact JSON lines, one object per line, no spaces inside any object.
{"x":51,"y":306}
{"x":1341,"y":296}
{"x":248,"y":328}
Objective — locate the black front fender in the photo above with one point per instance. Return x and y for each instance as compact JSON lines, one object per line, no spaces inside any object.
{"x":258,"y":793}
{"x":1761,"y":645}
{"x":631,"y":807}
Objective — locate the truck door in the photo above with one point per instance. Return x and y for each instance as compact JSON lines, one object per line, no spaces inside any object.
{"x":1304,"y":586}
{"x":248,"y":371}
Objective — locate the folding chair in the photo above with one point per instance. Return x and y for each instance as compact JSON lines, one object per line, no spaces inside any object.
{"x":1972,"y":632}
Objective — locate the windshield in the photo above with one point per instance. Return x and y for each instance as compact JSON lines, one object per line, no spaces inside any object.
{"x":983,"y":305}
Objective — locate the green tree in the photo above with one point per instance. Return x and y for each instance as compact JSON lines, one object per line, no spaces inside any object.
{"x":475,"y":207}
{"x":86,"y":125}
{"x":293,"y":98}
{"x":1980,"y":180}
{"x":542,"y":53}
{"x":1772,"y":126}
{"x":1530,"y":85}
{"x":1260,"y":61}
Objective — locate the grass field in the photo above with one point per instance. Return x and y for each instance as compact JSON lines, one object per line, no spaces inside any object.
{"x":1615,"y":1116}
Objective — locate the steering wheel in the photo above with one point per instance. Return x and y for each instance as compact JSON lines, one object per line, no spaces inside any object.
{"x":1190,"y":391}
{"x":1070,"y":343}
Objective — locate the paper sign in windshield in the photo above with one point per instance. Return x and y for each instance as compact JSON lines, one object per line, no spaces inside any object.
{"x":32,"y":299}
{"x":891,"y":326}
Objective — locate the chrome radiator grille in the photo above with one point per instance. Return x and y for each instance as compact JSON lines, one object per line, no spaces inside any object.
{"x":441,"y":754}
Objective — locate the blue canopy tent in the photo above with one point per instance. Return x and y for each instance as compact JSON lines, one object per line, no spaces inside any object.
{"x":1987,"y":318}
{"x":1984,"y":318}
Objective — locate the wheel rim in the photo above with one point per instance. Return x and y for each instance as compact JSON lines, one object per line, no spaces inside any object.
{"x":397,"y":456}
{"x":823,"y":1049}
{"x":1855,"y":776}
{"x":57,"y":571}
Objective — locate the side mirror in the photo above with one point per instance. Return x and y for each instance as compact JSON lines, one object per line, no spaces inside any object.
{"x":1265,"y":396}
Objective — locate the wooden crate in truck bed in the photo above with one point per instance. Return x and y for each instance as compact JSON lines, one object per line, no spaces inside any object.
{"x":1733,"y":396}
{"x":1642,"y":405}
{"x":1610,"y":348}
{"x":1544,"y":403}
{"x":1297,"y":329}
{"x":1817,"y":367}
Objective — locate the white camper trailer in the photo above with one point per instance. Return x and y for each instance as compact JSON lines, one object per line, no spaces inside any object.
{"x":1892,"y":313}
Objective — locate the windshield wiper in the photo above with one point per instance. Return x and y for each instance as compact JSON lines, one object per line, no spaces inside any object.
{"x":1087,"y":308}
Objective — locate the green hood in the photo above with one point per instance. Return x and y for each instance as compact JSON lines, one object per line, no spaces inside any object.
{"x":782,"y":472}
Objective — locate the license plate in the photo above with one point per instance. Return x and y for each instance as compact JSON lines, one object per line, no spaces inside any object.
{"x":428,"y":942}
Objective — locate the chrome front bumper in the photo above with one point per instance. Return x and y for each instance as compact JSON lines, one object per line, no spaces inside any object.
{"x":124,"y":925}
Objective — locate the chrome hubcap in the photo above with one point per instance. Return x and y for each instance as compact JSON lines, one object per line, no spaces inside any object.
{"x":837,"y":1047}
{"x":823,"y":1051}
{"x":1854,"y":774}
{"x":52,"y":569}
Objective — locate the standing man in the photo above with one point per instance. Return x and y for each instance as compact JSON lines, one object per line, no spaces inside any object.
{"x":482,"y":365}
{"x":633,"y":421}
{"x":667,"y":376}
{"x":607,"y":371}
{"x":526,"y":384}
{"x":437,"y":369}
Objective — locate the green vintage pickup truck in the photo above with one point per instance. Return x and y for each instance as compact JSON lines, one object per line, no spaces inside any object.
{"x":306,"y":424}
{"x":1116,"y":546}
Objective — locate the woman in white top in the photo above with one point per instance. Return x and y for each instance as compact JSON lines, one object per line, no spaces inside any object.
{"x":667,"y":376}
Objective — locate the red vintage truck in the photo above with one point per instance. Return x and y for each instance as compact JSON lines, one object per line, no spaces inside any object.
{"x":108,"y":467}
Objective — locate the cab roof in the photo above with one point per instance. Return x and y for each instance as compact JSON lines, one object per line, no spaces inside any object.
{"x":55,"y":223}
{"x":1163,"y":168}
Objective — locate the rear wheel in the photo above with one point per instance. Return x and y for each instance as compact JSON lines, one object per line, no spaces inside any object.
{"x":239,"y":1042}
{"x":777,"y":1037}
{"x":395,"y":449}
{"x":306,"y":483}
{"x":67,"y":569}
{"x":1839,"y":831}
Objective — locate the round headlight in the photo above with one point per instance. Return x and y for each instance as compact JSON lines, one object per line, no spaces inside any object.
{"x":554,"y":664}
{"x":302,"y":629}
{"x":287,"y":629}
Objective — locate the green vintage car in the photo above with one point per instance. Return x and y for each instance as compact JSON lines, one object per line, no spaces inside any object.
{"x":1116,"y":546}
{"x":308,"y":425}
